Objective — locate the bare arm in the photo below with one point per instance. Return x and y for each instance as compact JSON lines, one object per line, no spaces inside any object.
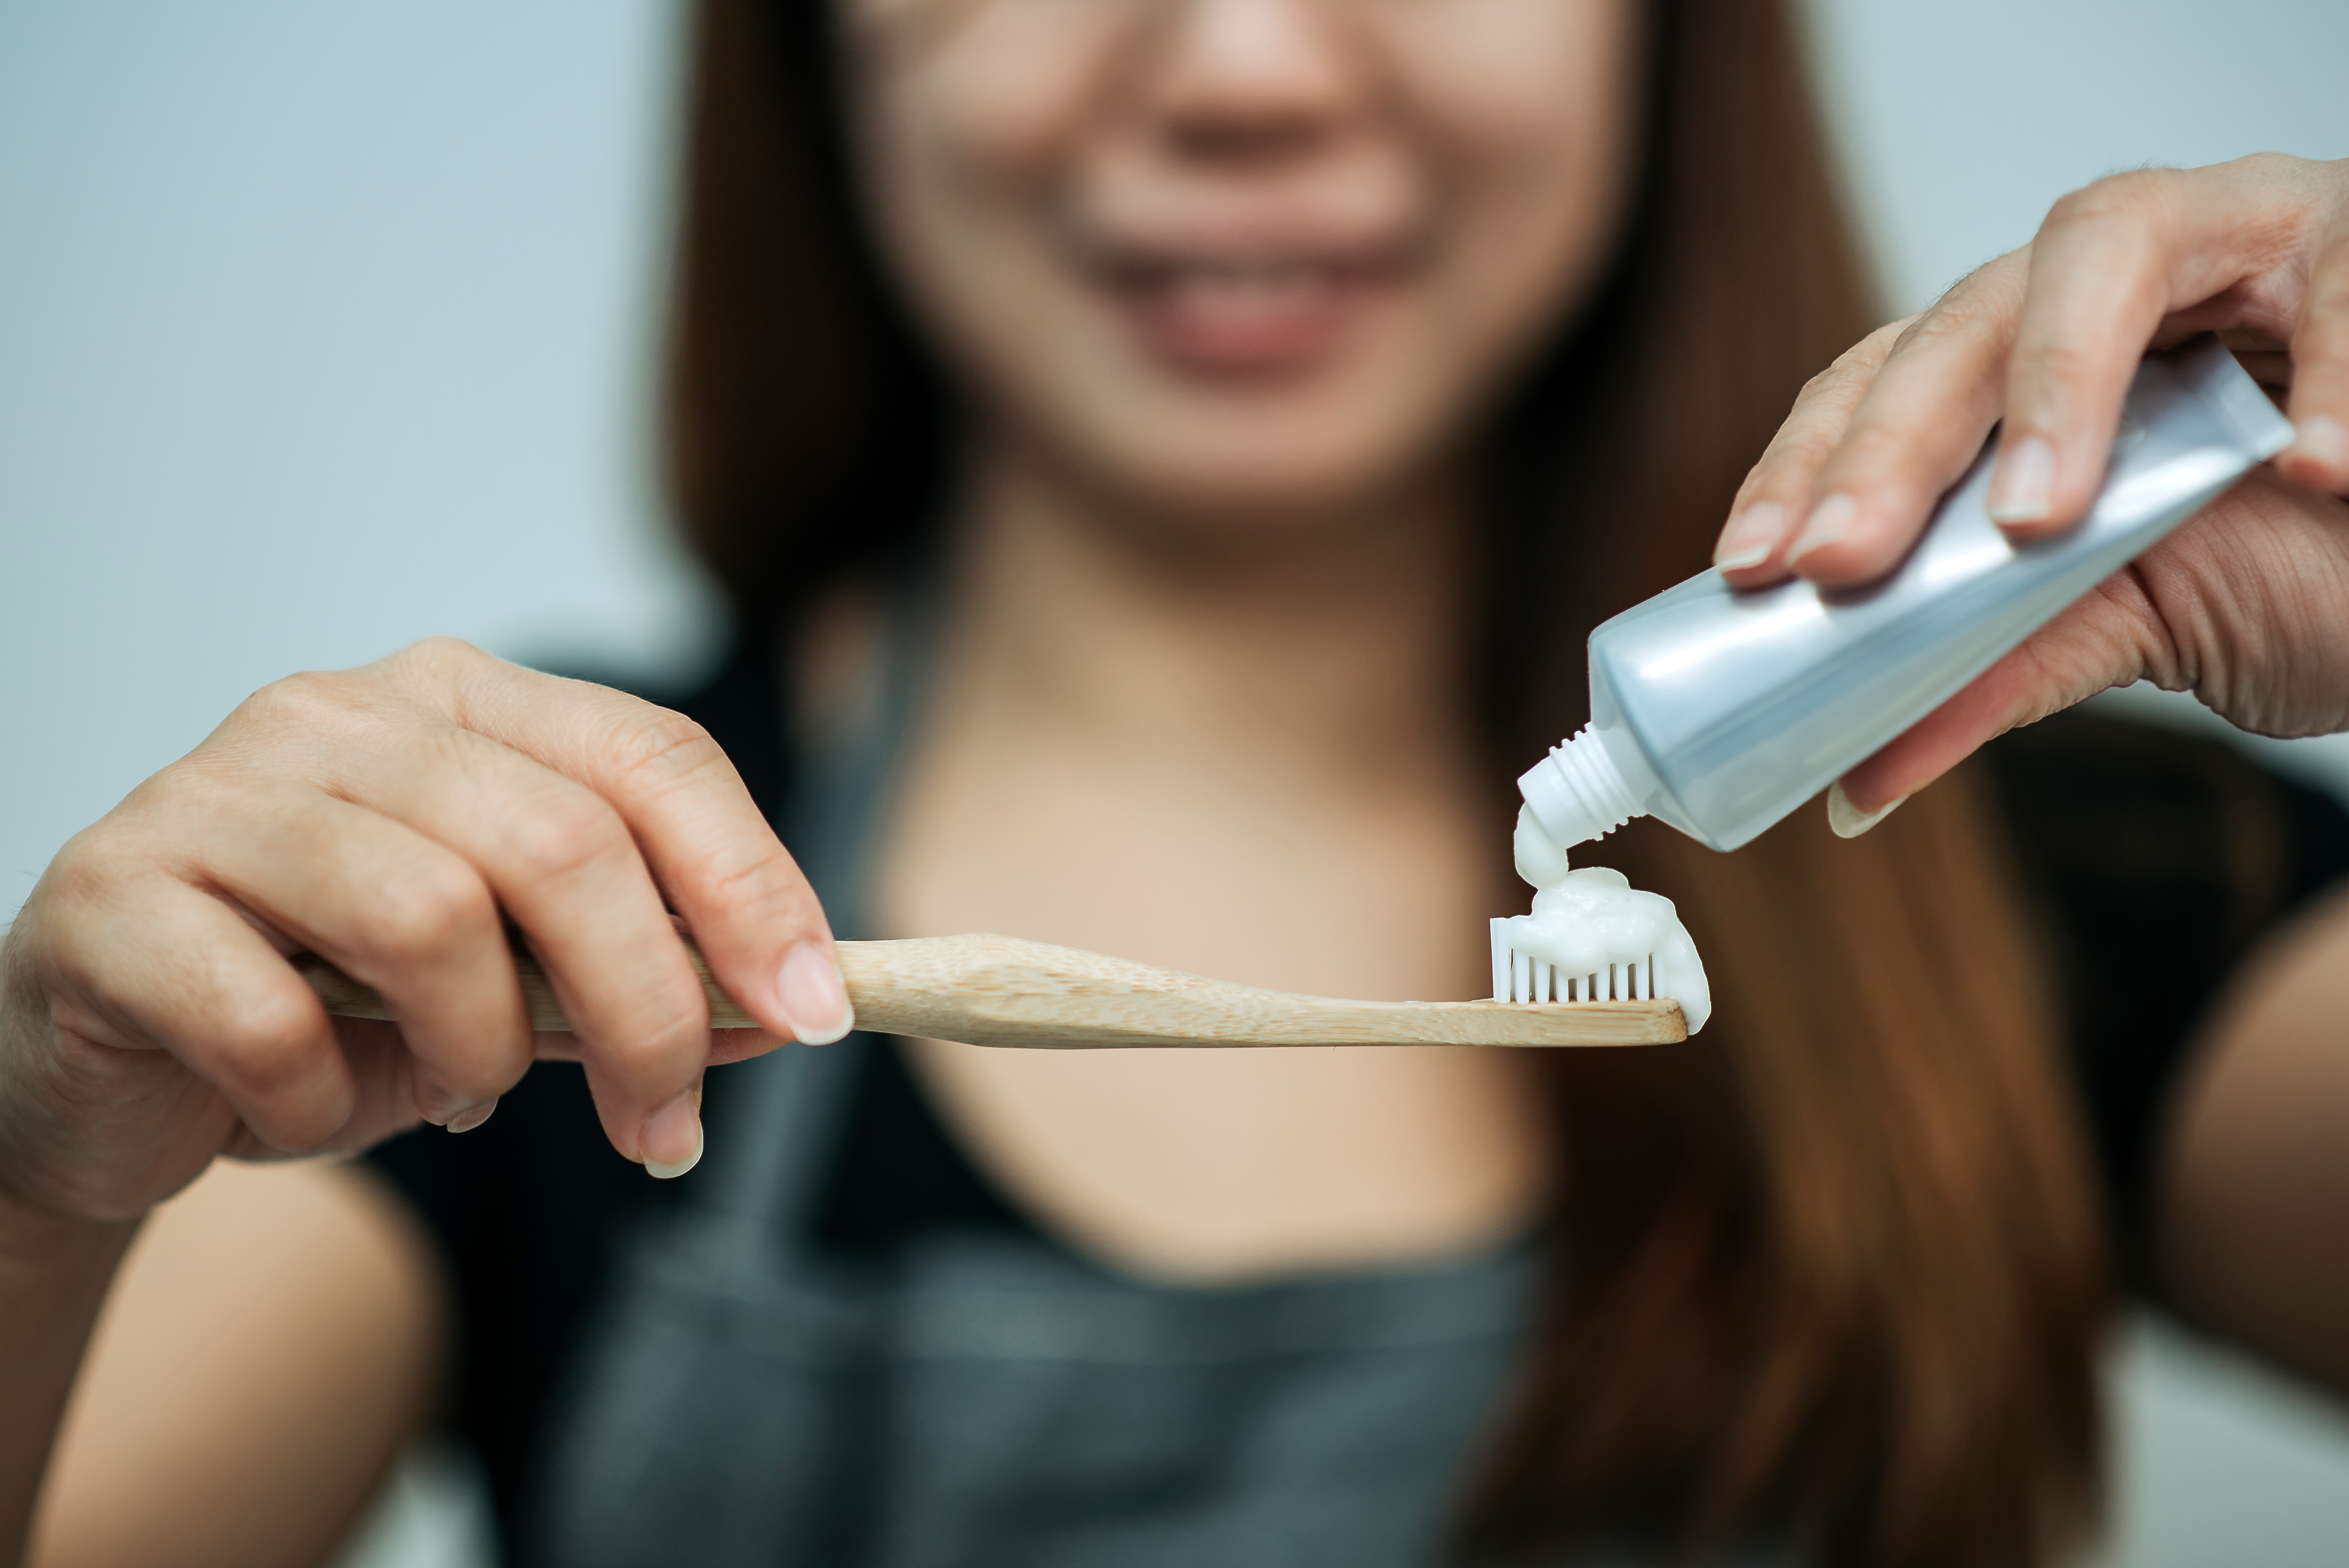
{"x":2253,"y":1226}
{"x":53,"y":1276}
{"x":274,"y":1337}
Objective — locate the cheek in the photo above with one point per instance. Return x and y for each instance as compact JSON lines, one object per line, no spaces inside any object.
{"x":1528,"y":106}
{"x":967,"y":114}
{"x":965,"y":102}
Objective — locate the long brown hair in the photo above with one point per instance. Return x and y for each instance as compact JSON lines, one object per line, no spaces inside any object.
{"x":1831,"y":1271}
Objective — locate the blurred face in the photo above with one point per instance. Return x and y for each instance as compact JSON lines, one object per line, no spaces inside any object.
{"x":1242,"y":258}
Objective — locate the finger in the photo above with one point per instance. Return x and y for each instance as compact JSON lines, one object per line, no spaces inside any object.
{"x":728,"y":1045}
{"x":2108,"y":265}
{"x":391,"y":908}
{"x":1915,"y":432}
{"x":152,"y":965}
{"x":1776,"y":494}
{"x":2319,"y":408}
{"x":758,"y":921}
{"x":564,"y":864}
{"x":383,"y":1076}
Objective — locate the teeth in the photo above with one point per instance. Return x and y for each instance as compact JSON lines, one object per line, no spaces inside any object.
{"x":1247,"y":282}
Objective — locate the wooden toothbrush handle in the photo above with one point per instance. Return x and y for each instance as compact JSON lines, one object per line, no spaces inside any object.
{"x":1004,"y":991}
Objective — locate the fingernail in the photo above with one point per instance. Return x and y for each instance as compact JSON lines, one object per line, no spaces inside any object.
{"x":1830,"y":523}
{"x":2023,"y":489}
{"x":1847,"y":820}
{"x":2322,"y":441}
{"x":813,"y":996}
{"x":672,"y":1141}
{"x":467,"y":1119}
{"x":1750,"y":537}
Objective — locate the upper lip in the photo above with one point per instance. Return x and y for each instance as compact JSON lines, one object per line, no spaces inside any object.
{"x":1147,"y":230}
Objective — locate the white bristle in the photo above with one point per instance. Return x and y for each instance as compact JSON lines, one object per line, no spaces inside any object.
{"x":1519,"y":977}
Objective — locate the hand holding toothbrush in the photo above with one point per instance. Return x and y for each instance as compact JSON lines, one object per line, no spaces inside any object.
{"x":390,"y":818}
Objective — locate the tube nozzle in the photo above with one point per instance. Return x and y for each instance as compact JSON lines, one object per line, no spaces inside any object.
{"x":1578,"y":792}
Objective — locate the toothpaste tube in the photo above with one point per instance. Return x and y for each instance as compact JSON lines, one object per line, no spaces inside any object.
{"x":1721,"y":711}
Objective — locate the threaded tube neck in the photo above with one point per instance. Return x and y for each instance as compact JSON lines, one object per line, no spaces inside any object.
{"x":1578,"y":792}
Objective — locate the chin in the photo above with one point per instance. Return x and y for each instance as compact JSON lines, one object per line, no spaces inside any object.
{"x":1332,"y":451}
{"x":1251,"y":472}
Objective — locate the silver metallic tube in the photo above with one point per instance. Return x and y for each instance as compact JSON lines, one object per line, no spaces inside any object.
{"x":1720,"y":712}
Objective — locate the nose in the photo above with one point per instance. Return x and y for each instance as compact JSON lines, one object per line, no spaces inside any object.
{"x":1246,"y":82}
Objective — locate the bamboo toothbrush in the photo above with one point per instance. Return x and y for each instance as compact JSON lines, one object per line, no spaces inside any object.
{"x":1002,"y":991}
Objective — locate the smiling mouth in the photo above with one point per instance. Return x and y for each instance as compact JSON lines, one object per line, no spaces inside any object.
{"x":1253,"y":316}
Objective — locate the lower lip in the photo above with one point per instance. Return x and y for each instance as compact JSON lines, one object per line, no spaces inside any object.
{"x":1248,"y":331}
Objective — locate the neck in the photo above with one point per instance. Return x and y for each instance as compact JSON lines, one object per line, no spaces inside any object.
{"x":1315,"y":652}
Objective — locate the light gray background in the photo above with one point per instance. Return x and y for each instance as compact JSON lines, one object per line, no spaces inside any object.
{"x":324,"y":326}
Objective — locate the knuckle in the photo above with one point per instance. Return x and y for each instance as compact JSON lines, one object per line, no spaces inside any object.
{"x":1870,"y":352}
{"x":441,"y":653}
{"x":666,"y":1025}
{"x":562,"y":832}
{"x":767,"y":886}
{"x":427,"y":910}
{"x":1979,"y":297}
{"x":268,"y":1038}
{"x":1822,"y":384}
{"x":1858,"y":363}
{"x":2127,"y":196}
{"x":210,"y":785}
{"x":298,"y":699}
{"x":2062,"y":362}
{"x":429,"y":667}
{"x":88,"y":866}
{"x":1825,"y":407}
{"x":1959,"y":314}
{"x":676,"y":1018}
{"x":657,"y":749}
{"x":2278,"y":167}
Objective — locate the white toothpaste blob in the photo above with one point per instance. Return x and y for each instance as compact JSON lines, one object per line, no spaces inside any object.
{"x":1585,"y":919}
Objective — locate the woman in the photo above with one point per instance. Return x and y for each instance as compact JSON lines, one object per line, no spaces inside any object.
{"x":1174,"y":556}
